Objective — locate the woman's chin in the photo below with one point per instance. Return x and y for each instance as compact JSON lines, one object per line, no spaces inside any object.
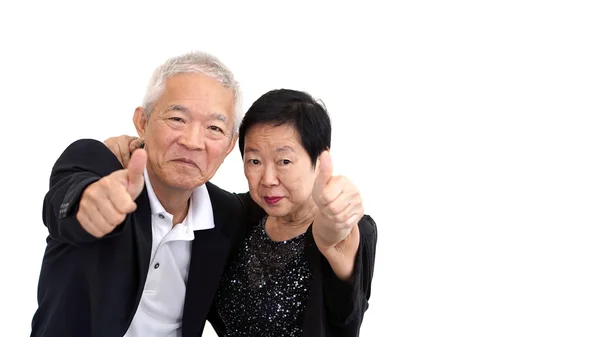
{"x":275,"y":210}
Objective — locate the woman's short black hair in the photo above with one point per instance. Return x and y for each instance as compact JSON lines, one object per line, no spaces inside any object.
{"x":294,"y":108}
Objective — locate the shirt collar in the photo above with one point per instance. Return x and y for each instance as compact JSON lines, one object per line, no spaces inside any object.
{"x":200,"y":213}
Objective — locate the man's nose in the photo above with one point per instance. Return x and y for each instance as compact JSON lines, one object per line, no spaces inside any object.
{"x":193,"y":138}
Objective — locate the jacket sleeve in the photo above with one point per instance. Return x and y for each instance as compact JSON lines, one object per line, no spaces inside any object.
{"x":347,"y":301}
{"x":83,"y":162}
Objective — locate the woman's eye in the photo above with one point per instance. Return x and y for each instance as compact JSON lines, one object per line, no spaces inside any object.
{"x":286,"y":162}
{"x":254,"y":161}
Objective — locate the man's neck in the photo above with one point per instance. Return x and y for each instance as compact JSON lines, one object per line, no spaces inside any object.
{"x":175,"y":201}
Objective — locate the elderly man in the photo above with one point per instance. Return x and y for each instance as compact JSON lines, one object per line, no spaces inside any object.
{"x":124,"y":243}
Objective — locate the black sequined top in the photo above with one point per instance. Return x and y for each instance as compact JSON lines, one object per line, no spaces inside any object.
{"x":265,"y":289}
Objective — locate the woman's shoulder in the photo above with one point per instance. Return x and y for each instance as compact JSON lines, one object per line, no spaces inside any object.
{"x":252,"y":211}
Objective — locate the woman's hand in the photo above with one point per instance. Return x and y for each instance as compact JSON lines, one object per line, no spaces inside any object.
{"x":335,"y":228}
{"x":123,"y":146}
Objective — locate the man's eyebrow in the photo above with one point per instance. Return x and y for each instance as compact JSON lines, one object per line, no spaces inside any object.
{"x":177,"y":107}
{"x":220,"y":117}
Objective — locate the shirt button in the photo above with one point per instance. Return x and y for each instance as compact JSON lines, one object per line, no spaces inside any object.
{"x":161,"y":216}
{"x":156,"y":265}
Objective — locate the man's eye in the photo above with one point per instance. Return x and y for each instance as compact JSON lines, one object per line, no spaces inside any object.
{"x":216,"y":128}
{"x":176,"y":119}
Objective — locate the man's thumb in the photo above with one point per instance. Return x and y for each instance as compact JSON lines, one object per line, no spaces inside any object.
{"x":135,"y":173}
{"x":325,"y":171}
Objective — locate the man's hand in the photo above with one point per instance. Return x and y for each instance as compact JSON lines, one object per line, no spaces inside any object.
{"x":123,"y":146}
{"x":340,"y":206}
{"x":105,"y":203}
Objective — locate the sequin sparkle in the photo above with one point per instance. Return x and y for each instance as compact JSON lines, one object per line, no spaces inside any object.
{"x":265,"y":289}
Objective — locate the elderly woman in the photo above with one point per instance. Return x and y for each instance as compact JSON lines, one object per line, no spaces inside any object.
{"x":304,"y":265}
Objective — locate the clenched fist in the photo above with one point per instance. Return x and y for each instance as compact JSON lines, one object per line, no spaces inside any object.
{"x":339,"y":202}
{"x":105,"y":203}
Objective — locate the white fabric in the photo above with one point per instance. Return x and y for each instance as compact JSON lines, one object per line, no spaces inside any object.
{"x":160,"y":309}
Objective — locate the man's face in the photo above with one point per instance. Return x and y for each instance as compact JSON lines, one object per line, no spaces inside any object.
{"x":189,"y":131}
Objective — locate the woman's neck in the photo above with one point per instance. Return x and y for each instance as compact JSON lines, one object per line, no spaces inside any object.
{"x":290,"y":226}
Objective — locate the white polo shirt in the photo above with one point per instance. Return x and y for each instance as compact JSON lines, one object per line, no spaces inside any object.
{"x":160,"y":309}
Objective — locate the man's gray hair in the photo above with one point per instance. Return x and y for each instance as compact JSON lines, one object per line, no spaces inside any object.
{"x":193,"y":62}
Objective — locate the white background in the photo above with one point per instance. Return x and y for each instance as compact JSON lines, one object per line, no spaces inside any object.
{"x":471,"y":127}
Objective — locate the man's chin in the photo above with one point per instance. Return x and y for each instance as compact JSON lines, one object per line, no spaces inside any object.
{"x":183,"y":182}
{"x":185,"y":177}
{"x":188,"y":185}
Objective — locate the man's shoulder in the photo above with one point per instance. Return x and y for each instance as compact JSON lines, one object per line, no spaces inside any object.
{"x":87,"y":151}
{"x":216,"y":191}
{"x":87,"y":145}
{"x":87,"y":155}
{"x":231,"y":202}
{"x":223,"y":200}
{"x":222,"y":195}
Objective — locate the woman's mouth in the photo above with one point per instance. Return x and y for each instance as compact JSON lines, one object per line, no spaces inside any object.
{"x":272,"y":200}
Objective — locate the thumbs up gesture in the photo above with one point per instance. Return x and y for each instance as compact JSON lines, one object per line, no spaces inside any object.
{"x":105,"y":203}
{"x":339,"y":202}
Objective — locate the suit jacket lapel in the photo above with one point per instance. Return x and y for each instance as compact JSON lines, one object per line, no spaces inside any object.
{"x":142,"y":227}
{"x":210,"y":250}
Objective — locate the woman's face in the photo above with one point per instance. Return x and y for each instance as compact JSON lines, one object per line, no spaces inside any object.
{"x":278,"y":168}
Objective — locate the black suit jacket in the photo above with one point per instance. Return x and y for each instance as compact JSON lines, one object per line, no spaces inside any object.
{"x":92,"y":287}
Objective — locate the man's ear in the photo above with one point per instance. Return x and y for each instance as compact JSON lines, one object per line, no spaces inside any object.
{"x":139,"y":121}
{"x":233,"y":143}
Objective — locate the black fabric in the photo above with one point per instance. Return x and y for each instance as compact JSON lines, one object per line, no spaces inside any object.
{"x":335,"y":307}
{"x":92,"y":287}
